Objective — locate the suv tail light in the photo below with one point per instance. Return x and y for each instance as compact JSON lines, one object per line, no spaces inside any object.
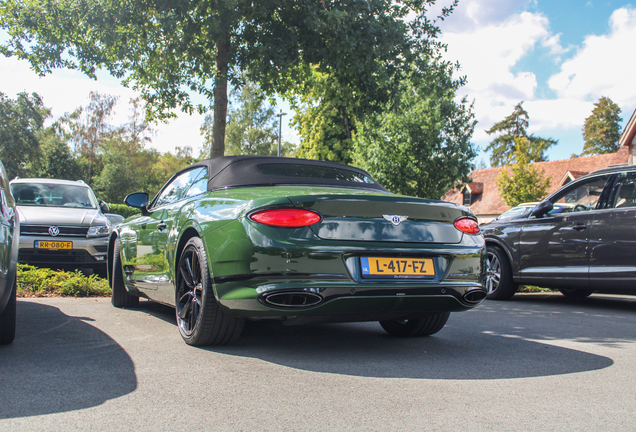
{"x":467,"y":225}
{"x":286,"y":217}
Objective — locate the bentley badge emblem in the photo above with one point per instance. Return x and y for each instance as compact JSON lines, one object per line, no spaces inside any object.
{"x":395,"y":219}
{"x":53,"y":230}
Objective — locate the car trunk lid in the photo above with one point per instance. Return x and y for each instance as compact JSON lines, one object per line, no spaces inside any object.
{"x":383,"y":217}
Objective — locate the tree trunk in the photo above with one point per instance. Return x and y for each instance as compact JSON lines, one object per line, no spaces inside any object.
{"x":220,"y":97}
{"x":345,"y":120}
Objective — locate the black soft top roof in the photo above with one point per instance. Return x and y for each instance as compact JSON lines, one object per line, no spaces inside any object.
{"x":242,"y":171}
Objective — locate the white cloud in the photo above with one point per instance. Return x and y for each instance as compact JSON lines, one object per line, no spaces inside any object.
{"x":472,"y":14}
{"x":603,"y":66}
{"x":489,"y":47}
{"x":65,"y":90}
{"x":488,"y":54}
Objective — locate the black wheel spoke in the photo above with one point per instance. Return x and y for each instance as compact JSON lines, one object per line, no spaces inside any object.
{"x":186,"y":272}
{"x":187,"y":307}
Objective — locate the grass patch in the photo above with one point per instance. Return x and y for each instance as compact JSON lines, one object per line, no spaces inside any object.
{"x":533,"y":289}
{"x":44,"y":282}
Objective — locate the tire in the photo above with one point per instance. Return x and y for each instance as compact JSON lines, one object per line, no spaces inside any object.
{"x":120,"y":297}
{"x":499,"y":282}
{"x":200,"y":319}
{"x":416,"y":327}
{"x":576,"y":293}
{"x":8,"y":318}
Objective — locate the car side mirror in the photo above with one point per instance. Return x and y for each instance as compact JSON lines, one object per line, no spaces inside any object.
{"x":138,"y":200}
{"x":104,"y":207}
{"x":542,"y":209}
{"x":10,"y":214}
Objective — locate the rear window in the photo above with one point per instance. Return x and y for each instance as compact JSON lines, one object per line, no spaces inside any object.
{"x":313,"y":172}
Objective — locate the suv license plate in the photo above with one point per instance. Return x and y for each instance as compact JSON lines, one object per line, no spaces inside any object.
{"x":392,"y":267}
{"x":53,"y":244}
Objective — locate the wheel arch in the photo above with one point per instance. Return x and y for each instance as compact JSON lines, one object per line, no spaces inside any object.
{"x":490,"y":242}
{"x":189,"y":233}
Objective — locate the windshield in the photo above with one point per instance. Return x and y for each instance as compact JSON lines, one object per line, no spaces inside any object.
{"x":53,"y":195}
{"x":514,"y":212}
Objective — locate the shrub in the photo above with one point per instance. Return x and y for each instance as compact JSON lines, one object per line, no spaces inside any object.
{"x":45,"y":282}
{"x":123,"y":210}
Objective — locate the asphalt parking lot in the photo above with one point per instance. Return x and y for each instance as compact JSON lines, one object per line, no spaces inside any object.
{"x":537,"y":363}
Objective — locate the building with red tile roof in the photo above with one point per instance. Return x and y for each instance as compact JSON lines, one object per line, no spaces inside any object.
{"x":481,"y":195}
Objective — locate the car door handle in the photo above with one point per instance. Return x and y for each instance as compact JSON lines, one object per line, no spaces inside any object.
{"x":161,"y":226}
{"x":579,"y":227}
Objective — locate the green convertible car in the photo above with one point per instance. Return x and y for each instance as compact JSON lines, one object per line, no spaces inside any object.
{"x":301,"y":241}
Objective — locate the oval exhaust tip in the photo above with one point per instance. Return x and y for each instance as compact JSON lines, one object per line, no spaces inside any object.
{"x":475,"y":296}
{"x":292,"y":299}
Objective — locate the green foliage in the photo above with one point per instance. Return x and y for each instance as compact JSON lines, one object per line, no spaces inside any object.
{"x":57,"y":160}
{"x":524,"y":183}
{"x":421,"y":146}
{"x":21,"y":122}
{"x":87,"y":129}
{"x":602,"y":129}
{"x":322,"y":129}
{"x":44,"y":282}
{"x":168,"y":50}
{"x":123,"y":210}
{"x":252,"y":127}
{"x":512,"y":127}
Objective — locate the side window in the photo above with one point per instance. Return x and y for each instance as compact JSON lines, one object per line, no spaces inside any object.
{"x":200,"y":185}
{"x":624,"y":191}
{"x":581,"y":196}
{"x":178,"y":187}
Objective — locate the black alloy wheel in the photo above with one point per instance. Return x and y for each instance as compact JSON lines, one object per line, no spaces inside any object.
{"x":199,"y":318}
{"x":499,"y":282}
{"x":416,"y":327}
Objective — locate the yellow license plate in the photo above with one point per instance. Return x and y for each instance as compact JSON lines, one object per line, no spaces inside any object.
{"x":53,"y":245}
{"x":397,"y":267}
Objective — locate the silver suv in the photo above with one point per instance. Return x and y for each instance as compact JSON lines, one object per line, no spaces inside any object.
{"x":62,"y":225}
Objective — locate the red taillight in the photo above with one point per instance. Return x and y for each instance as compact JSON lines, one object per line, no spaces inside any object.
{"x":467,"y":225}
{"x":286,"y":217}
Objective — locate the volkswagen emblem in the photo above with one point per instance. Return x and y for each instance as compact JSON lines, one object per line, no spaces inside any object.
{"x":53,"y":230}
{"x":395,"y":219}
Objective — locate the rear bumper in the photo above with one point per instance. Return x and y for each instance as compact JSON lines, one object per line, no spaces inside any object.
{"x":351,"y":301}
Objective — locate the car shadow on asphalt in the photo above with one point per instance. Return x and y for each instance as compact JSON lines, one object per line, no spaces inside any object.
{"x":60,"y":363}
{"x":520,"y":338}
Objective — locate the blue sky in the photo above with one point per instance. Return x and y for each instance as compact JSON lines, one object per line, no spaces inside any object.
{"x":558,"y":56}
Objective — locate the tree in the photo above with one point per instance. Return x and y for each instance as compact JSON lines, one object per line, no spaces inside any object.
{"x":57,"y":160}
{"x":322,"y":133}
{"x":21,"y":122}
{"x":421,"y":146}
{"x":512,"y":127}
{"x":252,"y":127}
{"x":127,"y":169}
{"x":169,"y":49}
{"x":602,"y":129}
{"x":524,"y":183}
{"x":87,"y":129}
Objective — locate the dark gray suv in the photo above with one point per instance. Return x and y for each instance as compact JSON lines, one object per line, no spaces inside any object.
{"x":9,"y":240}
{"x":588,"y":246}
